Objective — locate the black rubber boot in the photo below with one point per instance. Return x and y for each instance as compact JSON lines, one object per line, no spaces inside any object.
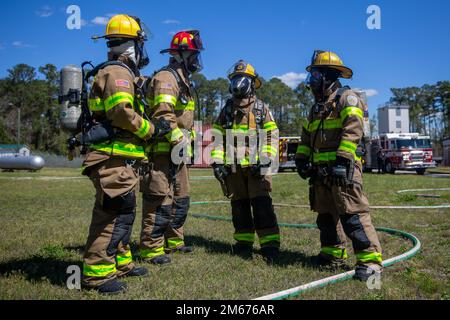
{"x":162,"y":259}
{"x":112,"y":287}
{"x":270,"y":254}
{"x":243,"y":250}
{"x":138,"y":272}
{"x":363,"y":272}
{"x":184,"y":249}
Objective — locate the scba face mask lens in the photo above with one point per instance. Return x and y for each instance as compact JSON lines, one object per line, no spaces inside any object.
{"x":241,"y":86}
{"x":315,"y":80}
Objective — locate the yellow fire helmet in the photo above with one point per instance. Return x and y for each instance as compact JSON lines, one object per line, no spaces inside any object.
{"x":242,"y":67}
{"x":124,"y":26}
{"x":329,"y":59}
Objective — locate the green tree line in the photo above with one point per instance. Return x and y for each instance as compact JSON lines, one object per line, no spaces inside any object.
{"x":39,"y":113}
{"x":429,"y":108}
{"x":35,"y":93}
{"x":289,"y":107}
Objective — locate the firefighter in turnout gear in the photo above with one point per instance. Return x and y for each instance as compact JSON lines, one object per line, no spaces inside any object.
{"x":329,"y":154}
{"x":170,"y":96}
{"x":242,"y":167}
{"x":111,"y":163}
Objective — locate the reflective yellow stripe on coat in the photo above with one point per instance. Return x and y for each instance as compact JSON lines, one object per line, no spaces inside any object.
{"x":118,"y":148}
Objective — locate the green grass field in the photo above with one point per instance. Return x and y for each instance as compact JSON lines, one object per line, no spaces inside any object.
{"x":45,"y":218}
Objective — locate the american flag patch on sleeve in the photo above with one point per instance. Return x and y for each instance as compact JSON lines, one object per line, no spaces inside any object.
{"x":123,"y":83}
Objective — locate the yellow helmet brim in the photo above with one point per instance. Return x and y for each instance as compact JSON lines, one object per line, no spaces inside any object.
{"x":346,"y":72}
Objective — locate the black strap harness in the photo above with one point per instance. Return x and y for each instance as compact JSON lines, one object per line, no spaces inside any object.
{"x":258,"y":112}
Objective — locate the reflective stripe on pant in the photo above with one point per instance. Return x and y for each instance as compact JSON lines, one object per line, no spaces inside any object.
{"x":156,"y":217}
{"x":242,"y":221}
{"x":265,"y":220}
{"x":332,"y":236}
{"x":175,"y":232}
{"x":250,"y":192}
{"x":164,"y":207}
{"x":350,"y":206}
{"x":107,"y":253}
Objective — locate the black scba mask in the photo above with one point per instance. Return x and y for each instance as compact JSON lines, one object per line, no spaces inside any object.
{"x":319,"y":79}
{"x":193,"y":61}
{"x":241,"y":86}
{"x":315,"y":79}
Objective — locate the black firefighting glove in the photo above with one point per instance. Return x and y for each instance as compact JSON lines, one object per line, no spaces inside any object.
{"x":162,"y":127}
{"x":303,"y":168}
{"x":220,"y":172}
{"x":339,"y":172}
{"x":263,"y":163}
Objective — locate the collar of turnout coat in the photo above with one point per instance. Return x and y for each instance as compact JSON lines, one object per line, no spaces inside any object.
{"x":126,"y":60}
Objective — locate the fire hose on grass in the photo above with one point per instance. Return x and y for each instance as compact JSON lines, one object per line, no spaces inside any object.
{"x":295,"y":291}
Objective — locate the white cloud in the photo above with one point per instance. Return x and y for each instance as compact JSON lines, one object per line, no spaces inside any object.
{"x":84,"y":23}
{"x":101,"y":21}
{"x":292,"y":79}
{"x":44,"y":12}
{"x":171,"y":21}
{"x":369,"y":92}
{"x":21,"y":44}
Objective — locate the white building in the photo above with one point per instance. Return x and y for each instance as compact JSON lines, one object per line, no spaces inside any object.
{"x":393,"y":119}
{"x":12,"y":150}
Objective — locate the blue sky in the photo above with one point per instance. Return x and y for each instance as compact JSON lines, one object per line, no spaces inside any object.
{"x":278,"y":37}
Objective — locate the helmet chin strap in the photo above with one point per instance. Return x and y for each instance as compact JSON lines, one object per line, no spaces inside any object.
{"x":326,"y":90}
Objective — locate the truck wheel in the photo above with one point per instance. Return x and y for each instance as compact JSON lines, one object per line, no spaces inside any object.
{"x":389,"y":167}
{"x":421,"y":171}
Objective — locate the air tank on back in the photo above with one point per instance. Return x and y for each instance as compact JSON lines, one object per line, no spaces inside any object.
{"x":69,"y":98}
{"x":363,"y":96}
{"x":22,"y":163}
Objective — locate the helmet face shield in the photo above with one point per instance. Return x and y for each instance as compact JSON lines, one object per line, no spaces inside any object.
{"x":315,"y":78}
{"x":241,"y":86}
{"x":192,"y":61}
{"x":315,"y":81}
{"x":141,"y":55}
{"x":315,"y":54}
{"x":144,"y":33}
{"x":197,"y":41}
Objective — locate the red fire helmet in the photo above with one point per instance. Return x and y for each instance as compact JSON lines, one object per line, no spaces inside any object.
{"x":185,"y":40}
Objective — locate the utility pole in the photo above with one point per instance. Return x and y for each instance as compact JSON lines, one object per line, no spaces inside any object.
{"x":18,"y":125}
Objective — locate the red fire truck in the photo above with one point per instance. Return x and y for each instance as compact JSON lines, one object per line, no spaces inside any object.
{"x":287,"y":151}
{"x":399,"y":151}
